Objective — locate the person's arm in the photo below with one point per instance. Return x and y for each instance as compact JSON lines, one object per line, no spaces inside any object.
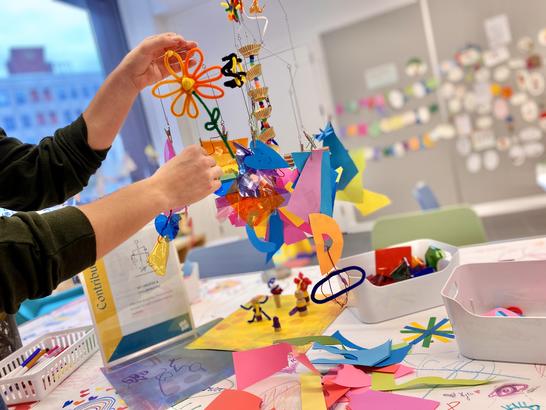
{"x":37,"y":252}
{"x":34,"y":177}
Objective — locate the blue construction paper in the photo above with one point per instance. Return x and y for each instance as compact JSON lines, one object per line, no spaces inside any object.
{"x":259,"y":244}
{"x":264,"y":157}
{"x":326,"y":204}
{"x":340,"y":155}
{"x":300,"y":158}
{"x":397,"y":356}
{"x":225,"y":187}
{"x":168,"y":375}
{"x":276,"y":234}
{"x":346,"y":342}
{"x":358,"y":357}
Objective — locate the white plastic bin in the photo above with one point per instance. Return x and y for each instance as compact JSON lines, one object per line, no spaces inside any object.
{"x":37,"y":383}
{"x":379,"y":303}
{"x":474,"y":289}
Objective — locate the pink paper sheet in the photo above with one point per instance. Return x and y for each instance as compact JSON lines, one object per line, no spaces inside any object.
{"x":388,"y":401}
{"x":306,"y":197}
{"x":254,"y":365}
{"x":350,"y":376}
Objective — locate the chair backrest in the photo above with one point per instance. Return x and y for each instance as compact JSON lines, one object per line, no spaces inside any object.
{"x":455,"y":225}
{"x":228,"y":259}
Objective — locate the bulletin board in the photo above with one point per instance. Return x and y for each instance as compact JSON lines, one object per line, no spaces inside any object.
{"x":458,"y":22}
{"x":394,"y":38}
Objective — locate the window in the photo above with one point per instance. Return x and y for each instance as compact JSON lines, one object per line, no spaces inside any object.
{"x":4,"y":98}
{"x":34,"y":97}
{"x":49,"y":86}
{"x":47,"y":94}
{"x":26,"y":122}
{"x":9,"y":124}
{"x":20,"y":97}
{"x":61,"y":94}
{"x":40,"y":118}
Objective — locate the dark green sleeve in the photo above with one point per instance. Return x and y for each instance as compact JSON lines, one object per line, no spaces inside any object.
{"x":38,"y":251}
{"x":33,"y":177}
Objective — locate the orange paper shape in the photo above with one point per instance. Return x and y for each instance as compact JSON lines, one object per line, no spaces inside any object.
{"x":189,"y":81}
{"x":235,"y":399}
{"x":323,"y":225}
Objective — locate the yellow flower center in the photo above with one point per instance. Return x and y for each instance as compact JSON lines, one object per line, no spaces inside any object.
{"x":187,"y":84}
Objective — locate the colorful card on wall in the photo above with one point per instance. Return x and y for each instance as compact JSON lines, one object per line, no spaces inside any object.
{"x":132,"y":307}
{"x":235,"y":333}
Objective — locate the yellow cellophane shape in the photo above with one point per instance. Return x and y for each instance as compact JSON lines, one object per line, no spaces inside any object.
{"x":159,"y":256}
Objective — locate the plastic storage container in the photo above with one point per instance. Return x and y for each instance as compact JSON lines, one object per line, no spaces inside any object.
{"x":475,"y":289}
{"x":379,"y":303}
{"x":38,"y":382}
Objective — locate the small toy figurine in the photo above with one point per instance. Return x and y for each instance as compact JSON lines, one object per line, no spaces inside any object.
{"x":301,"y":304}
{"x":276,"y":291}
{"x":303,"y":282}
{"x":276,"y":324}
{"x":257,"y":309}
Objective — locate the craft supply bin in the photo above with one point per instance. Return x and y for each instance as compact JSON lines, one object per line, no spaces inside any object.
{"x":36,"y":384}
{"x":379,"y":303}
{"x":475,"y":289}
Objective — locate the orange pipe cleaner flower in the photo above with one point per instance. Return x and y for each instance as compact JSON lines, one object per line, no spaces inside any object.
{"x":189,"y":82}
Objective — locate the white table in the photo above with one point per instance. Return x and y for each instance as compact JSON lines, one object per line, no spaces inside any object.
{"x":221,"y":296}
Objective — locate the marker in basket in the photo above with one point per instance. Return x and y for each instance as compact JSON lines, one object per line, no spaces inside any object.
{"x":31,"y":364}
{"x":50,"y":357}
{"x":16,"y":372}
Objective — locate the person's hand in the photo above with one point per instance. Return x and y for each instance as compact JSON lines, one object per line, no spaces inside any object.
{"x":187,"y":178}
{"x":143,"y":66}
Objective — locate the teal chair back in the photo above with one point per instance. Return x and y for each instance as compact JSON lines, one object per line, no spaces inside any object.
{"x":33,"y":308}
{"x":455,"y":225}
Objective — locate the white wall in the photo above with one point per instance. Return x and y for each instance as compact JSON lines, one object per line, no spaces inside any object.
{"x":205,"y":21}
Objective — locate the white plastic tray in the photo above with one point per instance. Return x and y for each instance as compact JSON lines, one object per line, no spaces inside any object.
{"x":379,"y":303}
{"x":36,"y":385}
{"x":475,"y":289}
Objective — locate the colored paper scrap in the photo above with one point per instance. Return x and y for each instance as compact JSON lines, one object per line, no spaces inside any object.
{"x":388,"y":259}
{"x":386,"y":382}
{"x":300,"y":341}
{"x":339,"y":155}
{"x":235,"y":399}
{"x":312,"y":397}
{"x":350,"y":376}
{"x":364,"y":357}
{"x":397,"y":356}
{"x":275,"y":234}
{"x":254,"y":365}
{"x":332,"y":392}
{"x":234,"y":333}
{"x":372,"y":202}
{"x":303,"y":359}
{"x":306,"y":197}
{"x":260,"y":245}
{"x":388,"y":401}
{"x":353,"y":191}
{"x":328,"y":182}
{"x":345,"y":342}
{"x":440,"y":331}
{"x":403,"y":371}
{"x":264,"y":157}
{"x":323,"y":225}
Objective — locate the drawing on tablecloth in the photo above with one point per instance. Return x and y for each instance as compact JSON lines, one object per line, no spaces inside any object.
{"x":521,"y":405}
{"x":509,"y":389}
{"x":440,"y":331}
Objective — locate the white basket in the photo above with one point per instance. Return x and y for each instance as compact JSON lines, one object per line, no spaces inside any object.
{"x":475,"y":289}
{"x":36,"y":384}
{"x":379,"y":303}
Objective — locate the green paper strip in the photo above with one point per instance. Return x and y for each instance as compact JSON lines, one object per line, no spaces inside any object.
{"x":386,"y":382}
{"x":304,"y":340}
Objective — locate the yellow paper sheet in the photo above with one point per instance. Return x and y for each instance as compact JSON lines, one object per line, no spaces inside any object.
{"x":386,"y":382}
{"x":312,"y":397}
{"x":353,"y":191}
{"x":324,"y":225}
{"x":234,"y":333}
{"x":372,"y":202}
